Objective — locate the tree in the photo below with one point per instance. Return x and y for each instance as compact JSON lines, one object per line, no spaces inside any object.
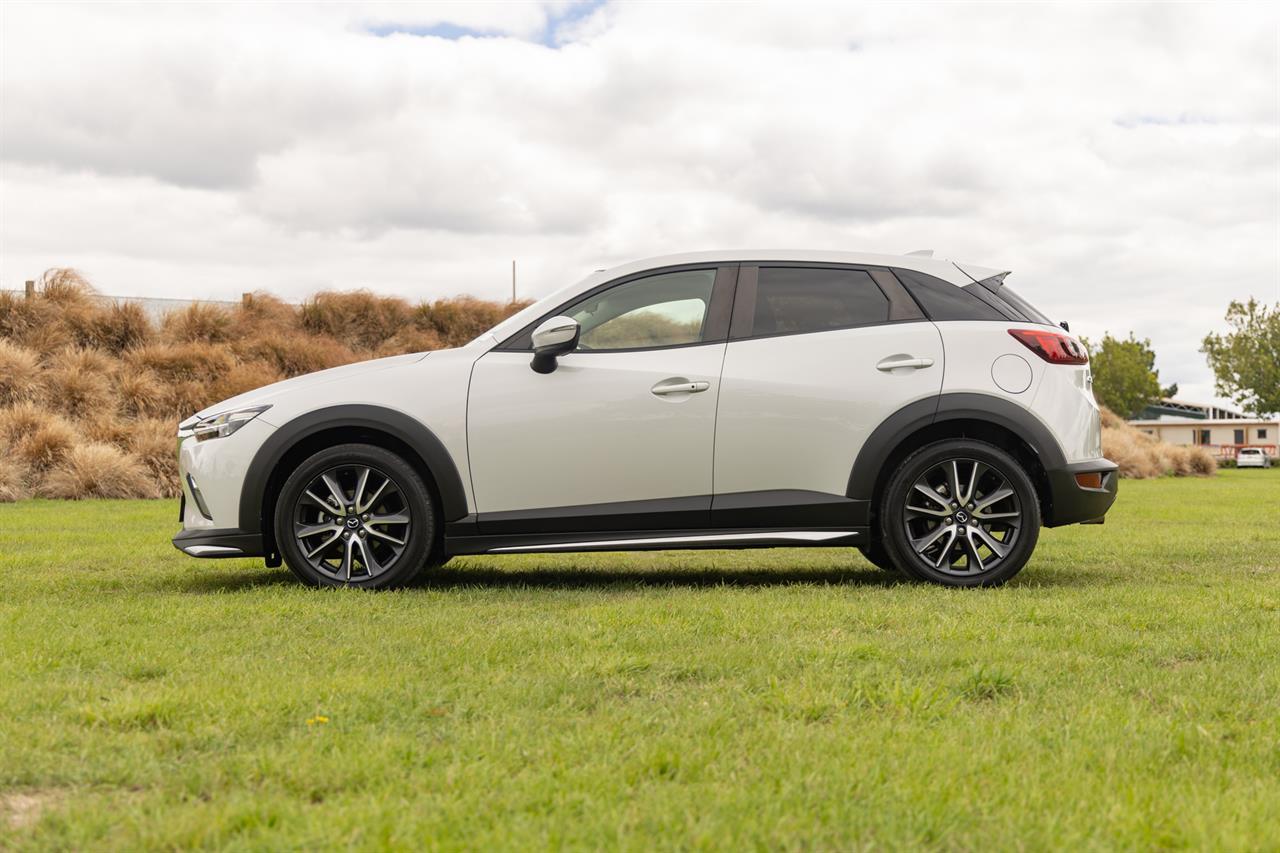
{"x":1124,"y":375}
{"x":1246,"y":360}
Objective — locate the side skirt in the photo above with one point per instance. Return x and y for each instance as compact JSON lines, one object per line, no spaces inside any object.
{"x":656,"y":540}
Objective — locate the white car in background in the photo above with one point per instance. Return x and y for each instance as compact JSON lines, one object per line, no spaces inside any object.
{"x":1252,"y":457}
{"x":911,"y":407}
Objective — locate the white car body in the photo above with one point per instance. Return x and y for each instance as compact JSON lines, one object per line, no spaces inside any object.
{"x":768,"y":438}
{"x":1252,"y":457}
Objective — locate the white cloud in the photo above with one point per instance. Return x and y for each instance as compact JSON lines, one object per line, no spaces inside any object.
{"x":1123,"y":160}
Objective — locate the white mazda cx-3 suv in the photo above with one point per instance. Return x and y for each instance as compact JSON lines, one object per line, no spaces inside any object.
{"x":911,"y":407}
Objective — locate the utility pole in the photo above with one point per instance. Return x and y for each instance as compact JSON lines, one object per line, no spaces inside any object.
{"x":513,"y":281}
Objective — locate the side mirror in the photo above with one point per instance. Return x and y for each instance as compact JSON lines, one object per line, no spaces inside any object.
{"x":553,"y":338}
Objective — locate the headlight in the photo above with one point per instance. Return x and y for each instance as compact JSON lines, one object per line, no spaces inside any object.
{"x":221,"y":426}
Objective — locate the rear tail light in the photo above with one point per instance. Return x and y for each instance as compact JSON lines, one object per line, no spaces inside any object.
{"x":1053,"y":347}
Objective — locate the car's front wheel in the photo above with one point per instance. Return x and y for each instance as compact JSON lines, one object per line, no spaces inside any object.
{"x":960,"y":512}
{"x":355,"y":515}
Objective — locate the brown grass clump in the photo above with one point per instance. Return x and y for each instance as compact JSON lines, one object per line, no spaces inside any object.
{"x":22,"y":419}
{"x":13,"y":477}
{"x":199,"y":323}
{"x":183,"y":398}
{"x":294,"y":355}
{"x":260,"y":313}
{"x":139,"y":391}
{"x":19,"y":374}
{"x":358,"y":319}
{"x":152,"y":441}
{"x":409,"y":340}
{"x":47,"y":446}
{"x":64,"y":286}
{"x":183,"y":361}
{"x":462,"y":318}
{"x":78,"y":383}
{"x":244,"y":377}
{"x":117,"y":327}
{"x":97,"y":471}
{"x":1141,"y":456}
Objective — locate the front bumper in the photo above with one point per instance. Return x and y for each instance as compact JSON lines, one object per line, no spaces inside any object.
{"x":219,"y":543}
{"x":1072,"y":503}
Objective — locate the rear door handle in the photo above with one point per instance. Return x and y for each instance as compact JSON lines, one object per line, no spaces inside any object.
{"x":678,"y":386}
{"x":893,"y":362}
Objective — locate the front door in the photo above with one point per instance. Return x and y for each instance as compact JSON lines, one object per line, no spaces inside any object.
{"x":620,"y":436}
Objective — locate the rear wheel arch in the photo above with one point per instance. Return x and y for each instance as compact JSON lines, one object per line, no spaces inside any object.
{"x":297,"y":440}
{"x":993,"y":420}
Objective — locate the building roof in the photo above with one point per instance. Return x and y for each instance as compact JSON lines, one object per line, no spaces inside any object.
{"x":1236,"y":422}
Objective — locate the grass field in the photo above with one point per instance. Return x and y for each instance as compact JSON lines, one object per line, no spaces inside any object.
{"x":1124,"y":691}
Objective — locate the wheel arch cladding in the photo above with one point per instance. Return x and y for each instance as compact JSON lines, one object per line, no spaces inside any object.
{"x":962,"y":415}
{"x":395,"y":431}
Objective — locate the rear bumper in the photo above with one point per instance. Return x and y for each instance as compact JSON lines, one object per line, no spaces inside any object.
{"x":1072,"y":503}
{"x":215,"y":543}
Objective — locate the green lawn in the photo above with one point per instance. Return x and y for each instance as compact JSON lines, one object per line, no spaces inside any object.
{"x":1123,"y":691}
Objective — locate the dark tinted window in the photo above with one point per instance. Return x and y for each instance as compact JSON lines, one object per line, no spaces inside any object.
{"x":944,"y":301}
{"x":1005,"y":294}
{"x":795,"y":300}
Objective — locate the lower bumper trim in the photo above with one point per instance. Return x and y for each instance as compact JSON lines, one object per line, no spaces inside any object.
{"x":1071,"y":503}
{"x":218,"y":543}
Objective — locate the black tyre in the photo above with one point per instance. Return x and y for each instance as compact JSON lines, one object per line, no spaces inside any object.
{"x":877,"y":556}
{"x":355,"y":515}
{"x":960,"y":513}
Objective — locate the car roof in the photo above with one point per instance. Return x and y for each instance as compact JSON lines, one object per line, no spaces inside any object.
{"x":950,"y":271}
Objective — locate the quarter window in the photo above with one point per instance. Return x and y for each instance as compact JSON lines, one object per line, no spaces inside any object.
{"x":944,"y":301}
{"x":659,"y":311}
{"x":796,"y":300}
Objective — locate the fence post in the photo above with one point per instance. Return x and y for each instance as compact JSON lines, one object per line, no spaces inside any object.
{"x":246,"y":299}
{"x":31,"y":289}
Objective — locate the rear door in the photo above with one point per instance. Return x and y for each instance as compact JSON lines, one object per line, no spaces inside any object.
{"x":818,"y":357}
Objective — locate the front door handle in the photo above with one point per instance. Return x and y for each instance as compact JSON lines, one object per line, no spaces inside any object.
{"x":894,"y":362}
{"x":678,"y":386}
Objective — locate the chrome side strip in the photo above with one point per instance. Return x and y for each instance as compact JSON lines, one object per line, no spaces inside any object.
{"x":783,"y":535}
{"x":211,"y":550}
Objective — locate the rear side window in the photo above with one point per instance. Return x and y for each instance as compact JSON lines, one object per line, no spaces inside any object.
{"x":796,"y":300}
{"x":944,"y":301}
{"x":1004,"y":294}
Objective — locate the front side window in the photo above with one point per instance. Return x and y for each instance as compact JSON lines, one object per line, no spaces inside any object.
{"x":659,"y":311}
{"x":797,"y":300}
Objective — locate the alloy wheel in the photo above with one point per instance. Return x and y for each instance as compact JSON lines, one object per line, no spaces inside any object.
{"x":962,"y":517}
{"x":352,"y":522}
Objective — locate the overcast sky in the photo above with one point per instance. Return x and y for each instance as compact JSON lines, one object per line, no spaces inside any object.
{"x":1123,"y":160}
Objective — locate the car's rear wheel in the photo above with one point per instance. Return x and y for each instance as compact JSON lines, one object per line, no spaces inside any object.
{"x":355,"y":515}
{"x":960,"y":512}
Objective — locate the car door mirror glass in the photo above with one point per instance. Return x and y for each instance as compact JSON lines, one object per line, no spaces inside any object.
{"x":553,"y":338}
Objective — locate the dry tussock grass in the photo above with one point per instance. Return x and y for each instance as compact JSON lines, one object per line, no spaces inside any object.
{"x":460,"y":319}
{"x":13,"y":478}
{"x":296,"y":354}
{"x":97,"y":471}
{"x":183,"y":360}
{"x":139,"y":391}
{"x":359,"y":319}
{"x":76,"y":386}
{"x":20,"y":371}
{"x":1141,"y":456}
{"x":199,"y":323}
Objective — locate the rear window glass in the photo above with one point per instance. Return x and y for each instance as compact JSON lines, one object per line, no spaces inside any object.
{"x":944,"y":301}
{"x":796,"y":300}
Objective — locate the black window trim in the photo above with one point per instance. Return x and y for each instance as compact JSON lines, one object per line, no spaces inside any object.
{"x":749,"y":278}
{"x":716,"y":325}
